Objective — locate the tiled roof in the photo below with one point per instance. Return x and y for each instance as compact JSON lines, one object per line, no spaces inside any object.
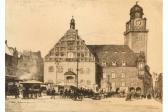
{"x":114,"y":53}
{"x":8,"y":51}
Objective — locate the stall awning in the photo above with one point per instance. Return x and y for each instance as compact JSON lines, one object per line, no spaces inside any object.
{"x":31,"y":82}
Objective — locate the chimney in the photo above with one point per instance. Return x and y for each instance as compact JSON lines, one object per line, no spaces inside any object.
{"x":6,"y":42}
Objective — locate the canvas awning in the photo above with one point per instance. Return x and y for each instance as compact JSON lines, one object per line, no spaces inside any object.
{"x":31,"y":82}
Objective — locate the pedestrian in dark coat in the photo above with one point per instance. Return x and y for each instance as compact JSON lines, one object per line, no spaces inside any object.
{"x":53,"y":93}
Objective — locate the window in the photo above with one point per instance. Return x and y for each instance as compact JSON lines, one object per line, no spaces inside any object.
{"x":82,"y":48}
{"x":82,"y":54}
{"x":70,"y":55}
{"x":78,"y":54}
{"x":122,"y":75}
{"x":70,"y":43}
{"x":50,"y":69}
{"x":71,"y":48}
{"x":123,"y":84}
{"x":78,"y":48}
{"x":123,"y":63}
{"x":78,"y":42}
{"x":86,"y":54}
{"x":62,"y":54}
{"x":70,"y":79}
{"x":56,"y":54}
{"x":113,"y":75}
{"x":113,"y":63}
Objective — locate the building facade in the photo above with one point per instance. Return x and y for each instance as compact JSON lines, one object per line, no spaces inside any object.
{"x":11,"y":61}
{"x":136,"y":33}
{"x":30,"y":66}
{"x":70,"y":62}
{"x":110,"y":67}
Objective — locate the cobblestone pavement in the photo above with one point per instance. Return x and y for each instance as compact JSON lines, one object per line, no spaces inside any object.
{"x":45,"y":104}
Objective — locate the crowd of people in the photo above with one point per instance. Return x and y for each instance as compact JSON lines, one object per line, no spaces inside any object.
{"x":72,"y":93}
{"x":26,"y":92}
{"x":33,"y":92}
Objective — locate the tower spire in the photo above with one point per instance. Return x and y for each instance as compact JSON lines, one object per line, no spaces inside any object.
{"x":72,"y":23}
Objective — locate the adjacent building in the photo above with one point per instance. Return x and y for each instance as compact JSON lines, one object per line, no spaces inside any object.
{"x":11,"y":61}
{"x":109,"y":67}
{"x":30,"y":66}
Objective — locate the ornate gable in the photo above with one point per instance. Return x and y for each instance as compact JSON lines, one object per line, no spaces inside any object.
{"x":70,"y":48}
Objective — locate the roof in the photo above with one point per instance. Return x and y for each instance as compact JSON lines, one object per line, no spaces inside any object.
{"x":8,"y":51}
{"x":136,"y":8}
{"x":114,"y":53}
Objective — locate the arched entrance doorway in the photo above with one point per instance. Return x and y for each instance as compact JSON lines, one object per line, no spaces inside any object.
{"x":138,"y":90}
{"x":70,"y":78}
{"x":132,"y":89}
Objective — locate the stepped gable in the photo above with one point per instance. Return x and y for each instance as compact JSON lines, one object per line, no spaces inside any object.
{"x":70,"y":43}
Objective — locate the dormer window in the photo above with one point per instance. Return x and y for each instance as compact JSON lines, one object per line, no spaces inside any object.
{"x":114,"y":63}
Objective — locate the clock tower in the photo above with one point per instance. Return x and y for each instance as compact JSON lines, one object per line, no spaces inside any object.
{"x":135,"y":35}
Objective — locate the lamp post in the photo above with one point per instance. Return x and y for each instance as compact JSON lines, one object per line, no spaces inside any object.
{"x":56,"y":68}
{"x":77,"y":61}
{"x":77,"y":72}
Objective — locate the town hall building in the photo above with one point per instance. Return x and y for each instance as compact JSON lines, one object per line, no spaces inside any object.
{"x":109,"y":67}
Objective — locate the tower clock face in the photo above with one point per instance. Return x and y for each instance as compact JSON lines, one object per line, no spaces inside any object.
{"x":138,"y":23}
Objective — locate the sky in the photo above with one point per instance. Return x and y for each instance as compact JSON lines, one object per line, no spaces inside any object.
{"x":39,"y":24}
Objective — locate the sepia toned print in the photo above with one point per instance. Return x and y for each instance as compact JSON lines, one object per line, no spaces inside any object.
{"x":83,"y":56}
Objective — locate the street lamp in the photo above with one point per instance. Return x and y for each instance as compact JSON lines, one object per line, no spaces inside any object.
{"x":77,"y":71}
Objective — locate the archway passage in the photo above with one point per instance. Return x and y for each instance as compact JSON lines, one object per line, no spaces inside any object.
{"x":132,"y":89}
{"x":138,"y":89}
{"x":70,"y":78}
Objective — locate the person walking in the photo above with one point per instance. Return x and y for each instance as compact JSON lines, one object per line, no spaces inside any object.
{"x":53,"y":93}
